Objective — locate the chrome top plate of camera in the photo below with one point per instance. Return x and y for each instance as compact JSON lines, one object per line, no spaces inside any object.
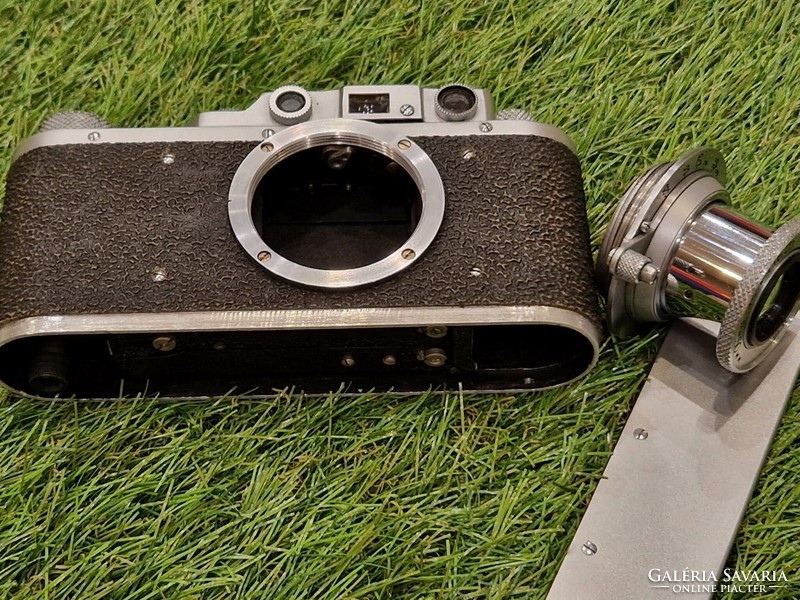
{"x":410,"y":106}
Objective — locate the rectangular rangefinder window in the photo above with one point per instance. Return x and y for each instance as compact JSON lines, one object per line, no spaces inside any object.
{"x":368,"y":103}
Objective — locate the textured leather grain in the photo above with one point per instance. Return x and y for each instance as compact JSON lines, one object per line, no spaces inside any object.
{"x":85,"y":226}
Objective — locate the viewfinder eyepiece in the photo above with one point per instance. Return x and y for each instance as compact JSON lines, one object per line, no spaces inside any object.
{"x":456,"y":102}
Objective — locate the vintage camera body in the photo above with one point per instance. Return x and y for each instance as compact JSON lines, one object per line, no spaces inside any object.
{"x":372,"y":237}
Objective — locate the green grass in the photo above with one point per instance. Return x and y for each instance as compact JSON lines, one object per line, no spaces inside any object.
{"x":381,"y":497}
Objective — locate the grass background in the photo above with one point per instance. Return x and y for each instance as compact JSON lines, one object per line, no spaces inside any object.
{"x":381,"y":497}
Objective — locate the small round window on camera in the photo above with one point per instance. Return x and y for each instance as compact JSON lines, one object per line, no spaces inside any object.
{"x":290,"y":104}
{"x":456,"y":102}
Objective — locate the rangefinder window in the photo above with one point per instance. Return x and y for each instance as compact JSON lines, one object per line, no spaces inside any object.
{"x":368,"y":103}
{"x":290,"y":102}
{"x":336,"y":207}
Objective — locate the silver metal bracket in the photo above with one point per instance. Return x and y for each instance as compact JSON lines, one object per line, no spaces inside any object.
{"x":679,"y":480}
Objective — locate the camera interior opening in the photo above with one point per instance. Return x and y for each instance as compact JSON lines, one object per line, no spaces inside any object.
{"x":336,"y":207}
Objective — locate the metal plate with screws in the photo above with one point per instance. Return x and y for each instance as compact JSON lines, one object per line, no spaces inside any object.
{"x":676,"y":488}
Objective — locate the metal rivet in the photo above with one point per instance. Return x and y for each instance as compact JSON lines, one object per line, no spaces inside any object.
{"x":165,"y":343}
{"x":486,"y":127}
{"x":168,"y":159}
{"x":159,"y":274}
{"x":267,"y":146}
{"x":475,"y":272}
{"x":406,"y":110}
{"x":404,"y":144}
{"x":468,"y":154}
{"x":436,"y":331}
{"x":408,"y":254}
{"x":266,"y":133}
{"x":589,"y":548}
{"x":640,"y":434}
{"x":94,"y":136}
{"x":264,"y":256}
{"x":434,"y":357}
{"x":389,"y":360}
{"x":348,"y":361}
{"x":644,"y":227}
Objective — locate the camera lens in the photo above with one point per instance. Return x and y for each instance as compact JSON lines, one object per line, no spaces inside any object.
{"x":456,"y":103}
{"x":290,"y":102}
{"x":701,"y":259}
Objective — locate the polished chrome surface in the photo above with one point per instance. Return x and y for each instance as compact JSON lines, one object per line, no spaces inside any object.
{"x":712,"y":258}
{"x":348,"y":318}
{"x":674,"y":500}
{"x":250,"y":133}
{"x":736,"y":348}
{"x":706,"y":255}
{"x":256,"y":122}
{"x":364,"y":134}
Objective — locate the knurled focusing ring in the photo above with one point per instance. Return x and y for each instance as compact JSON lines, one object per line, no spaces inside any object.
{"x":741,"y":345}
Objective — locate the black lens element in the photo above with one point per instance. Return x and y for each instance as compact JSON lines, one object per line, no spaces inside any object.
{"x":457,"y":98}
{"x":777,"y":302}
{"x":290,"y":102}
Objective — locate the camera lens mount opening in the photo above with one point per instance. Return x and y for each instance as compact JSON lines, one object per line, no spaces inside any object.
{"x":336,"y":207}
{"x":338,"y":204}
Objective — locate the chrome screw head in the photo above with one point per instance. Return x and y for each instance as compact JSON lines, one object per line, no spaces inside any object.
{"x":165,"y":343}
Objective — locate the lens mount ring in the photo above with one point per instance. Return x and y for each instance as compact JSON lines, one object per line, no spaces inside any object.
{"x":363,"y":134}
{"x":735,"y":351}
{"x":644,"y":206}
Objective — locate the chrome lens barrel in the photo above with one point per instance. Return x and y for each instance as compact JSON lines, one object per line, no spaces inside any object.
{"x":675,"y":249}
{"x":711,"y":259}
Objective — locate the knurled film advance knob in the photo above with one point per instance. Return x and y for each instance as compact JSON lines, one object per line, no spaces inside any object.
{"x":74,"y":119}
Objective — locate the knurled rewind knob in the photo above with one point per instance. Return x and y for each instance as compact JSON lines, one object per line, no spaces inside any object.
{"x":74,"y":119}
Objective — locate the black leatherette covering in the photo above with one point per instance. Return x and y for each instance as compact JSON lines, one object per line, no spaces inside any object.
{"x":84,"y":227}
